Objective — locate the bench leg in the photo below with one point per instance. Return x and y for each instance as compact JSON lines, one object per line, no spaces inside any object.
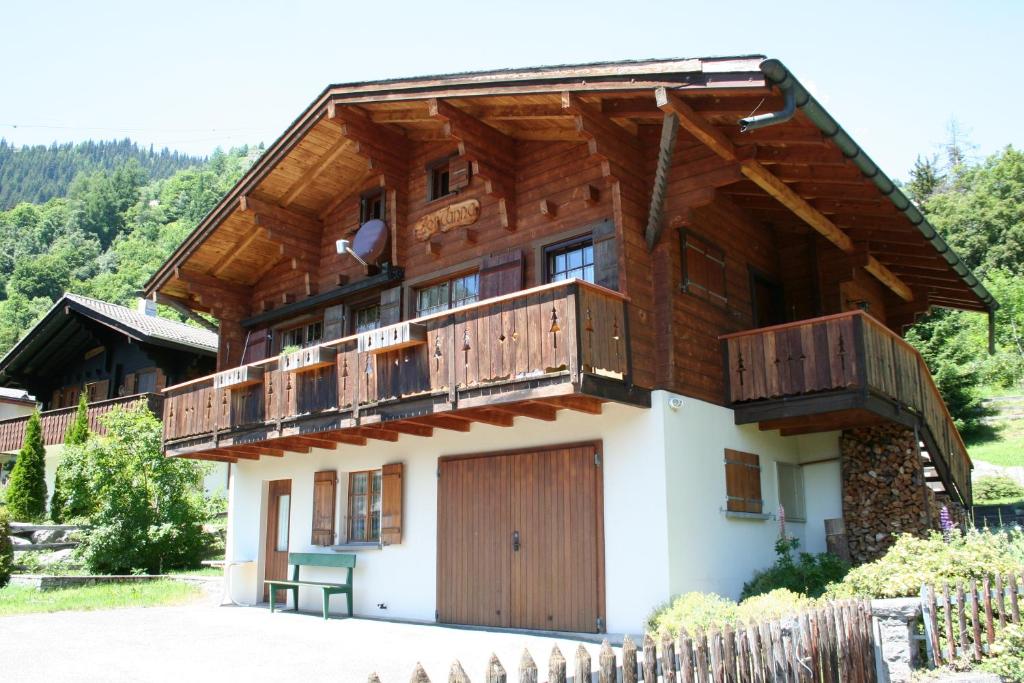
{"x":349,"y":596}
{"x":271,"y":594}
{"x":295,"y":597}
{"x":327,"y":603}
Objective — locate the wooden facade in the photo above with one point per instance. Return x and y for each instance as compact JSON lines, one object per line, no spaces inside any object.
{"x":55,"y":423}
{"x":688,"y":229}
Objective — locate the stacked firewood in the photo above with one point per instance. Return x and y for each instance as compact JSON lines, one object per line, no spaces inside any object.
{"x":884,"y":492}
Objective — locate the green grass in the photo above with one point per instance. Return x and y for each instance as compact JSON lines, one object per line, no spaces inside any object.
{"x":205,"y":571}
{"x":24,"y":600}
{"x":1004,"y":445}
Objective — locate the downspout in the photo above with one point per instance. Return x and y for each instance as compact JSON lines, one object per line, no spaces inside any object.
{"x":796,"y":96}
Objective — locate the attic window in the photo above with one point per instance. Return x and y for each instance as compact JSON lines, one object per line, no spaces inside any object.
{"x":371,"y":206}
{"x":439,"y":178}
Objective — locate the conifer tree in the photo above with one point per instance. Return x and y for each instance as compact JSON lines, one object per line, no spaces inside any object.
{"x":26,"y":490}
{"x":77,"y":434}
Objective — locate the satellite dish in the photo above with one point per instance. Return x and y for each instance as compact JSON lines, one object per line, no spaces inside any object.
{"x":370,"y":240}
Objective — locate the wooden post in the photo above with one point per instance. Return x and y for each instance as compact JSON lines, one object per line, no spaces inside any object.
{"x":457,"y":674}
{"x":975,"y":618}
{"x":685,"y":657}
{"x":729,"y":654}
{"x":933,"y":630}
{"x":606,"y":664}
{"x":668,"y":659}
{"x":743,"y":656}
{"x":556,"y":666}
{"x":1001,"y":601}
{"x":650,"y":660}
{"x":717,"y":663}
{"x":990,"y":630}
{"x":527,"y":668}
{"x":628,"y":660}
{"x":961,"y":610}
{"x":700,"y":642}
{"x":1014,"y":607}
{"x":948,"y":618}
{"x":582,"y":665}
{"x":495,"y":671}
{"x":419,"y":675}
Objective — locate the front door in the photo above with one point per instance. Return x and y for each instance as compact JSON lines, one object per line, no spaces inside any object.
{"x":520,"y":540}
{"x":279,"y":503}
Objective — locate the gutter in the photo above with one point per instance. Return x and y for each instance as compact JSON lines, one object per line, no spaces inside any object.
{"x":797,"y":97}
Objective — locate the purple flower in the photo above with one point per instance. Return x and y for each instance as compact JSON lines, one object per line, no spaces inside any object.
{"x":946,"y":523}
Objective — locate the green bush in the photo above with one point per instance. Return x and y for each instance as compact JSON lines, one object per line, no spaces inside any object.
{"x":693,"y":610}
{"x":1007,"y":655}
{"x":997,"y":489}
{"x":6,"y":549}
{"x":807,"y":573}
{"x":26,"y":489}
{"x":774,"y":605}
{"x":148,"y":511}
{"x":912,"y":561}
{"x":77,"y":434}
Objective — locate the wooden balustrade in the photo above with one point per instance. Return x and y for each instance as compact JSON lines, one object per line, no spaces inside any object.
{"x":561,"y":332}
{"x":55,"y":423}
{"x":834,"y":355}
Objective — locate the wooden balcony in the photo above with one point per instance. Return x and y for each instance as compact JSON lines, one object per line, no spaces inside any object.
{"x":532,"y":353}
{"x":844,"y":371}
{"x":55,"y":423}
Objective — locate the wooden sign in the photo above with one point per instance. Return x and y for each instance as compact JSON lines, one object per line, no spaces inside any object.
{"x":450,"y":217}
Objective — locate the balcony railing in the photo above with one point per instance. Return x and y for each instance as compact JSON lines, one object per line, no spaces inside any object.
{"x":552,"y":341}
{"x":848,"y":361}
{"x":55,"y":423}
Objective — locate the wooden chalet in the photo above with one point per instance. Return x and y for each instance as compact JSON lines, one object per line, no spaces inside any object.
{"x":683,"y":272}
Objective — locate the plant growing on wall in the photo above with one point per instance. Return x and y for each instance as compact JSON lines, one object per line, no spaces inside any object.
{"x":26,"y":490}
{"x":77,"y":434}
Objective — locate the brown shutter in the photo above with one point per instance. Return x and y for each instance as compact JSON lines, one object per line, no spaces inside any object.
{"x":606,"y":255}
{"x":391,"y":504}
{"x":100,"y":391}
{"x":334,"y":322}
{"x":501,"y":273}
{"x":458,"y":174}
{"x":324,"y":496}
{"x":161,"y":380}
{"x":129,"y":384}
{"x":256,"y":344}
{"x":743,"y":482}
{"x":55,"y":399}
{"x":390,"y":306}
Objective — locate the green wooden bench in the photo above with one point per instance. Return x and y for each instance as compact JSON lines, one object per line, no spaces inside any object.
{"x":298,"y":560}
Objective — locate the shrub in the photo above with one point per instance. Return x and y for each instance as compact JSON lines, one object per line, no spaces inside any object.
{"x":6,"y":549}
{"x":774,"y":605}
{"x":912,"y":561}
{"x":26,"y":489}
{"x":77,"y":434}
{"x":148,"y":511}
{"x":997,"y":489}
{"x":807,"y":574}
{"x":691,"y":611}
{"x":1007,"y":654}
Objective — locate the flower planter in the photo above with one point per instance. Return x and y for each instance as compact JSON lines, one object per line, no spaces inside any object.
{"x":308,"y":359}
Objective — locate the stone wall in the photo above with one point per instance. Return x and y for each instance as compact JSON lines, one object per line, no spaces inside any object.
{"x":884,"y":491}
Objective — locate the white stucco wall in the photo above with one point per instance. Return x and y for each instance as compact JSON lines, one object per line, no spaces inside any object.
{"x":709,"y":550}
{"x":664,"y":488}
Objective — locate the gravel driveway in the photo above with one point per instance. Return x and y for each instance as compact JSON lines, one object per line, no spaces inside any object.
{"x":199,"y":642}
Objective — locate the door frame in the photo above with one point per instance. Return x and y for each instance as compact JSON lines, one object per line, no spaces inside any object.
{"x":598,"y":447}
{"x":265,"y":525}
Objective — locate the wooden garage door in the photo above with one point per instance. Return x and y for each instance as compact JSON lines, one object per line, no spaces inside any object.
{"x":520,"y":540}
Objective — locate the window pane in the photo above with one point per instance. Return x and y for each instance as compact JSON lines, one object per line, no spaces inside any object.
{"x":315,"y":332}
{"x":283,"y":509}
{"x":367,"y":318}
{"x":359,"y":483}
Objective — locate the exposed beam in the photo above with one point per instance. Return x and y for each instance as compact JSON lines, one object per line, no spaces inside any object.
{"x":583,"y":404}
{"x":537,"y":411}
{"x":487,"y":416}
{"x":232,"y":453}
{"x":409,"y":428}
{"x":181,"y":306}
{"x":290,"y":217}
{"x":314,"y":171}
{"x":442,"y":421}
{"x":312,"y":442}
{"x":605,"y":138}
{"x":233,"y":253}
{"x":379,"y":433}
{"x":666,"y":148}
{"x":697,"y":126}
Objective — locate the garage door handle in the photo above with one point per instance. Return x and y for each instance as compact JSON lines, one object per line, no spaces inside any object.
{"x":515,"y":541}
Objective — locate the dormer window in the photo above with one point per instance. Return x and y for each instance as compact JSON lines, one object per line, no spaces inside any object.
{"x":438,"y":180}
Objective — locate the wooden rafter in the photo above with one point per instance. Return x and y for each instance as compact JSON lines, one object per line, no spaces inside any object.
{"x":753,"y":169}
{"x":184,"y":307}
{"x":314,"y":171}
{"x":666,"y":149}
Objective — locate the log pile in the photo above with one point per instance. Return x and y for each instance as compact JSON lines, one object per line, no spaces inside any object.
{"x":884,"y":491}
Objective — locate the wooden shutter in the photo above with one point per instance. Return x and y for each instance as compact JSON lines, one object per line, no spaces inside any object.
{"x":161,"y":380}
{"x":334,"y":322}
{"x":257,"y":344}
{"x":606,"y":255}
{"x":129,"y":384}
{"x":55,"y":399}
{"x":458,"y":174}
{"x":743,"y":482}
{"x":325,"y":493}
{"x":391,"y":504}
{"x":501,"y":273}
{"x":390,"y":306}
{"x":99,"y":391}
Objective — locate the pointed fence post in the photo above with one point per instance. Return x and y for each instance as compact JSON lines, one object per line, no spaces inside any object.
{"x":685,"y":657}
{"x":457,"y":674}
{"x":628,"y":660}
{"x":582,"y":665}
{"x":650,"y":660}
{"x":419,"y":675}
{"x":556,"y":666}
{"x":700,"y":647}
{"x":495,"y":671}
{"x":527,"y":668}
{"x":606,"y":664}
{"x":668,"y":659}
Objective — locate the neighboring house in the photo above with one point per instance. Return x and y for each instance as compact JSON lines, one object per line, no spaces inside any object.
{"x":13,"y":403}
{"x":600,"y":336}
{"x":116,"y":356}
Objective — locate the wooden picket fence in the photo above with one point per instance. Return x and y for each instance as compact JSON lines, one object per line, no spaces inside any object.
{"x":964,"y":620}
{"x":834,"y":644}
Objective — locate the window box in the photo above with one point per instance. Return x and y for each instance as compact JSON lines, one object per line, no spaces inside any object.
{"x":237,"y":378}
{"x":308,"y":359}
{"x":392,"y":337}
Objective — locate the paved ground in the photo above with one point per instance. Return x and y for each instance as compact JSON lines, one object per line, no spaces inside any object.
{"x":200,"y":642}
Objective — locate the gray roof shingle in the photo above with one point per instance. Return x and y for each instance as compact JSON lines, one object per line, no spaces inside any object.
{"x":149,"y":326}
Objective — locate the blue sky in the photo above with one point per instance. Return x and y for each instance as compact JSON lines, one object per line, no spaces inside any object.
{"x":195,"y":75}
